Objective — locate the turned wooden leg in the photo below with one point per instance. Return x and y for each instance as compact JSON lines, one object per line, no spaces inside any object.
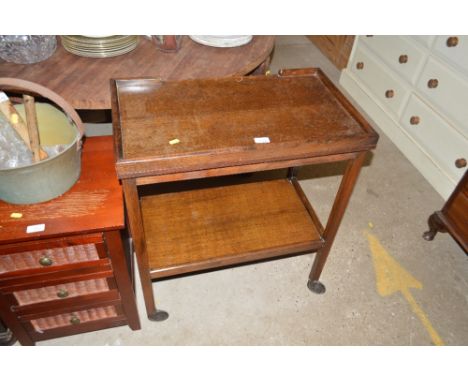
{"x":435,"y":225}
{"x":336,"y":215}
{"x":116,"y":252}
{"x":136,"y":228}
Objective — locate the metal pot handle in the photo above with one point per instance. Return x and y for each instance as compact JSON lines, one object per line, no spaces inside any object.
{"x":28,"y":86}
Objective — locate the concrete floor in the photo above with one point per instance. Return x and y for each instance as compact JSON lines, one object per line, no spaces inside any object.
{"x":269,"y":304}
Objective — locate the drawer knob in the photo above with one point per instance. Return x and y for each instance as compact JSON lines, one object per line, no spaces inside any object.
{"x":62,"y":293}
{"x":452,"y":41}
{"x":74,"y":320}
{"x":460,"y":163}
{"x":403,"y":59}
{"x":432,"y":83}
{"x":414,"y":120}
{"x":389,"y":93}
{"x":360,"y":65}
{"x":45,"y":261}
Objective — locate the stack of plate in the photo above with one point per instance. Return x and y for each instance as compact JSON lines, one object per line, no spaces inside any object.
{"x":99,"y":46}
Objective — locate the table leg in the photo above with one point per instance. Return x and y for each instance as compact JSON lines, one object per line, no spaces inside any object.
{"x":263,"y":68}
{"x":292,"y":173}
{"x":336,"y":215}
{"x":116,"y":252}
{"x":137,"y":231}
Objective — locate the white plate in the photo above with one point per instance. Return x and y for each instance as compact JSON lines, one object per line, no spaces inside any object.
{"x":222,"y":41}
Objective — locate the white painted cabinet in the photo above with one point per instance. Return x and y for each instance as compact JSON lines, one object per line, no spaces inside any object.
{"x":415,"y":88}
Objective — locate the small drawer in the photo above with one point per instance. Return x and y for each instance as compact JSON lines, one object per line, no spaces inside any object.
{"x":61,"y":292}
{"x":454,"y":49}
{"x":390,"y":92}
{"x":400,"y":54}
{"x":447,"y":91}
{"x":439,"y":139}
{"x":48,"y":257}
{"x":41,"y":325}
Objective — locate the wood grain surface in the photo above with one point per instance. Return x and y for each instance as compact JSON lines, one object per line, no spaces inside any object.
{"x":84,"y":82}
{"x":217,"y":120}
{"x":205,"y":225}
{"x":94,"y":203}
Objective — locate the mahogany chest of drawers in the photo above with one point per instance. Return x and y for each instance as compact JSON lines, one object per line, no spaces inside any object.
{"x":69,"y":275}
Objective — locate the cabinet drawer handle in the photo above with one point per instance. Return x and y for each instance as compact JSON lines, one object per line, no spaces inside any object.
{"x":432,"y":83}
{"x":403,"y":59}
{"x":62,"y":293}
{"x":45,"y":261}
{"x":389,"y":93}
{"x":74,"y":320}
{"x":452,"y":41}
{"x":460,"y":163}
{"x":360,"y":65}
{"x":414,"y":120}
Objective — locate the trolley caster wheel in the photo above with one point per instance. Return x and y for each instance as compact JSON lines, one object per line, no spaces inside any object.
{"x":159,"y":315}
{"x":316,"y":287}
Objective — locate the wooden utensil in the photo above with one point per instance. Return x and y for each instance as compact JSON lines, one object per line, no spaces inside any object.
{"x":31,"y":123}
{"x":7,"y":108}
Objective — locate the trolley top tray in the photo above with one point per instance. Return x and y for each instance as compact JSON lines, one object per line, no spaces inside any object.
{"x":181,"y":126}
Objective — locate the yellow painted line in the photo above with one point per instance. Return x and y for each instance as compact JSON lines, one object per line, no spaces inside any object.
{"x":391,"y":277}
{"x":423,"y":318}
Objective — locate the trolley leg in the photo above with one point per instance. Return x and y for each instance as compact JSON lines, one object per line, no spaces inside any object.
{"x":334,"y":220}
{"x":136,"y":229}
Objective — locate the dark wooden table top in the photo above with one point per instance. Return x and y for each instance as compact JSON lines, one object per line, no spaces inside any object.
{"x":93,"y":204}
{"x":216,"y":121}
{"x":84,"y":82}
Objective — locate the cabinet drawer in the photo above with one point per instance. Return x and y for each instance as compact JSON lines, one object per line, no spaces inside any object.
{"x":449,"y":93}
{"x":47,"y":258}
{"x":454,"y":49}
{"x":399,"y":53}
{"x":73,"y":319}
{"x":61,"y":291}
{"x":443,"y":143}
{"x":377,"y":78}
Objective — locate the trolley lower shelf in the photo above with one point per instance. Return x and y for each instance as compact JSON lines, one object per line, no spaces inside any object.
{"x":211,"y":227}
